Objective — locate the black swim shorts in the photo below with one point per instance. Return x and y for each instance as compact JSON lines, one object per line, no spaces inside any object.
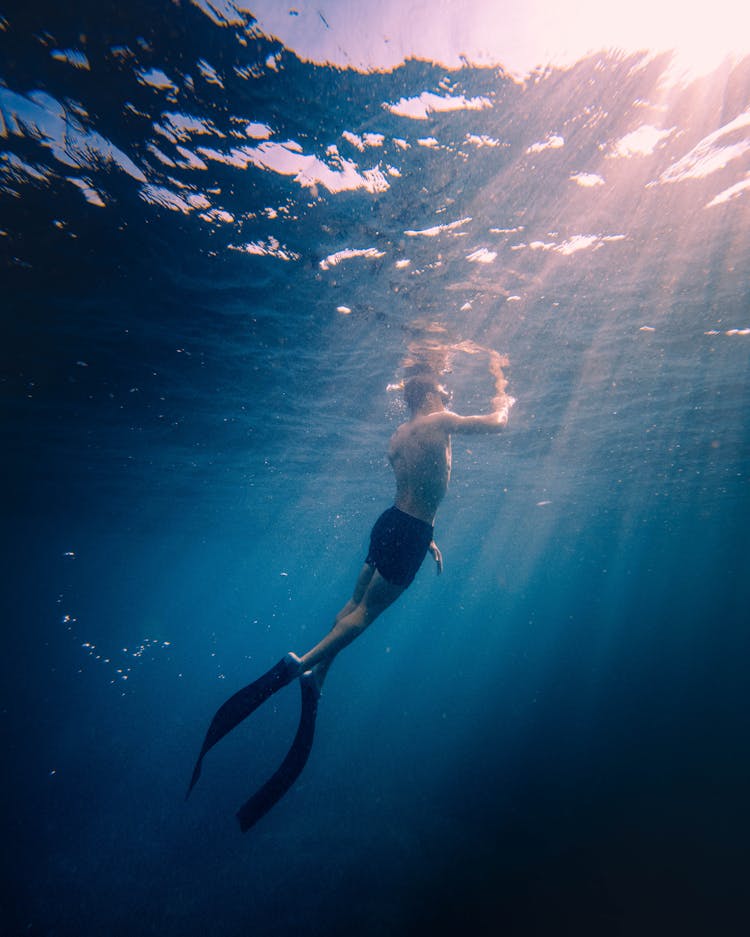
{"x":398,"y":544}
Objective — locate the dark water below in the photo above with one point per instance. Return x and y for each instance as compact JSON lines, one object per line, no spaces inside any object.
{"x":549,"y":739}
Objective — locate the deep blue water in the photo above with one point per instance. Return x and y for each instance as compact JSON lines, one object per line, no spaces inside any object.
{"x":549,"y":739}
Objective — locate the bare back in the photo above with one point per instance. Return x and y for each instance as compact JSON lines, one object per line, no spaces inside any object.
{"x":420,"y":453}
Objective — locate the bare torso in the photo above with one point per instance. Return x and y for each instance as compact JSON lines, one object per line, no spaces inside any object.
{"x":420,"y":453}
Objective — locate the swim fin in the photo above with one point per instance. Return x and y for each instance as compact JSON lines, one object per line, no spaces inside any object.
{"x":243,"y":703}
{"x":291,"y":767}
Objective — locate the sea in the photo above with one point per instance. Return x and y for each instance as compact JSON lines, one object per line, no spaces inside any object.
{"x":219,"y":260}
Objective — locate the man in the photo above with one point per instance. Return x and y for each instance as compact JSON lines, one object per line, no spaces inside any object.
{"x":420,"y":455}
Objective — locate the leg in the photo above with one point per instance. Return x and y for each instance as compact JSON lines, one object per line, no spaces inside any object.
{"x":376,"y":595}
{"x":360,"y":586}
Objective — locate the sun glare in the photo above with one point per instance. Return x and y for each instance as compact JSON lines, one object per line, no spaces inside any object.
{"x":700,"y":34}
{"x":519,"y":35}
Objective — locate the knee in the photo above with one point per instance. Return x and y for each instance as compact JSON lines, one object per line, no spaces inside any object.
{"x":354,"y":623}
{"x":358,"y":624}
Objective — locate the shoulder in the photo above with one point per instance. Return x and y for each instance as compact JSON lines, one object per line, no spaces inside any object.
{"x":419,"y":429}
{"x":443,"y":420}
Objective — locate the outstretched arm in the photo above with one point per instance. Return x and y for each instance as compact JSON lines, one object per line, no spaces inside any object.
{"x":493,"y":422}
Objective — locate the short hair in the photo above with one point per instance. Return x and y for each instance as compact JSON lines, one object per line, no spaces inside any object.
{"x":418,"y":387}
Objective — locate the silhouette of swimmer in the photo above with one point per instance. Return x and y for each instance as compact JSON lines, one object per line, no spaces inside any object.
{"x":420,"y":455}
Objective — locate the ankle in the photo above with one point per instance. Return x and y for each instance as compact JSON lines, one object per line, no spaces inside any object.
{"x":294,"y":663}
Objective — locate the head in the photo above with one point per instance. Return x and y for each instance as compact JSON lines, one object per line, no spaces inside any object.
{"x":425,"y":389}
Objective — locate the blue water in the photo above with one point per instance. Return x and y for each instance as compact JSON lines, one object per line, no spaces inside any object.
{"x":551,"y":738}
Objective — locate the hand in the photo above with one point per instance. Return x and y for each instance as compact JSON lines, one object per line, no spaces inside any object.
{"x":437,"y":556}
{"x":501,"y":406}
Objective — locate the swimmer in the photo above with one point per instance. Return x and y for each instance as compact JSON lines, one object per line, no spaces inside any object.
{"x":403,"y":535}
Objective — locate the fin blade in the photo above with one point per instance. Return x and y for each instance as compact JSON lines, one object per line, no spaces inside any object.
{"x":281,"y":781}
{"x":242,"y":704}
